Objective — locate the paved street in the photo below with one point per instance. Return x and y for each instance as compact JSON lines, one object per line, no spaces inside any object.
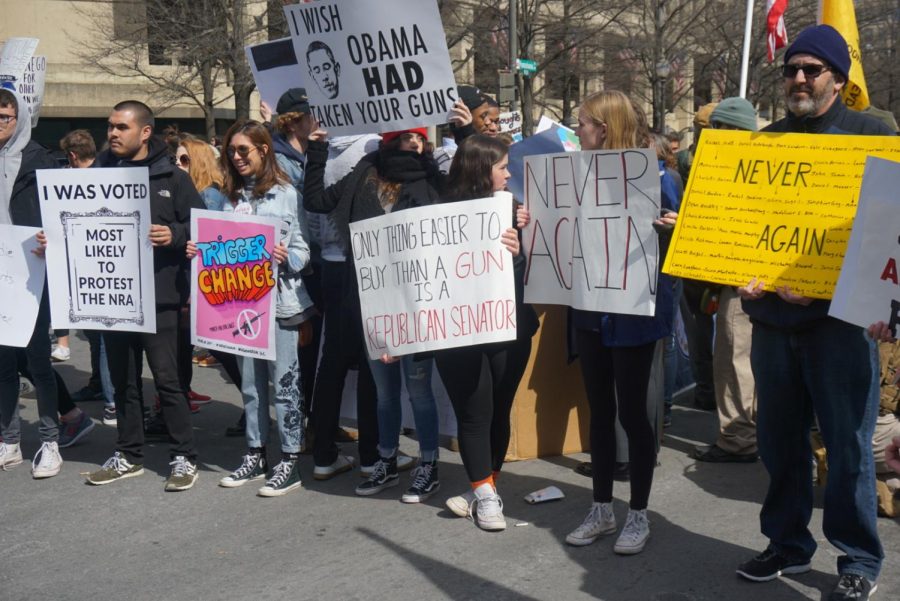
{"x":65,"y":540}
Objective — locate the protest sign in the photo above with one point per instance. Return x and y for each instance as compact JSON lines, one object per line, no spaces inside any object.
{"x":511,"y":123}
{"x":373,"y":65}
{"x":777,"y":207}
{"x":99,"y":256}
{"x":31,"y":86}
{"x":868,"y":289}
{"x":233,"y":280}
{"x":591,"y":243}
{"x":21,"y":284}
{"x":553,"y":138}
{"x":435,"y":277}
{"x":275,"y":69}
{"x":14,"y":59}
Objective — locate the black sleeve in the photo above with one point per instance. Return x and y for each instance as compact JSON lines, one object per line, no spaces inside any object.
{"x":461,"y":133}
{"x":316,"y":197}
{"x":186,"y":198}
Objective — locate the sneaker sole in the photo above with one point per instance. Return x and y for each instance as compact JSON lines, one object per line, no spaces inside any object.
{"x":271,"y":492}
{"x":420,"y":497}
{"x":630,"y":550}
{"x":172,"y":488}
{"x":319,"y":475}
{"x":801,"y":569}
{"x":492,"y":526}
{"x":140,"y":472}
{"x":79,"y":436}
{"x":366,"y":492}
{"x":459,"y":509}
{"x":584,"y":542}
{"x":13,"y":463}
{"x":238,"y":483}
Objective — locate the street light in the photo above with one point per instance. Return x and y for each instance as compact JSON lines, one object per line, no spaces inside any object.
{"x":663,"y":70}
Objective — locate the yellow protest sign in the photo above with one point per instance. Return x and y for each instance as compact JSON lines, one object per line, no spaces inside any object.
{"x":778,"y":207}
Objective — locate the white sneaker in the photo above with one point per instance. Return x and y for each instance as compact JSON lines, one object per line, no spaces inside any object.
{"x":600,"y":520}
{"x":10,"y":454}
{"x":47,"y":461}
{"x":489,"y":508}
{"x":404,"y":462}
{"x":635,"y":533}
{"x":343,"y":463}
{"x":461,"y":505}
{"x":25,"y":386}
{"x":60,"y":353}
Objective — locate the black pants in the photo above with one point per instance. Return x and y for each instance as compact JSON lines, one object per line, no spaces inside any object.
{"x":308,"y":356}
{"x":63,"y":398}
{"x":186,"y":357}
{"x":339,"y":355}
{"x":699,"y":329}
{"x":93,"y":338}
{"x":481,"y":382}
{"x":162,"y":356}
{"x":617,"y":379}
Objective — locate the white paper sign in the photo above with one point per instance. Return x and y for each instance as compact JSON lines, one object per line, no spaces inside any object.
{"x":373,"y":66}
{"x":590,"y":243}
{"x":275,"y":69}
{"x":511,"y":123}
{"x":31,"y":86}
{"x":14,"y":59}
{"x":868,"y":289}
{"x":435,"y":277}
{"x":21,"y":284}
{"x":99,"y":257}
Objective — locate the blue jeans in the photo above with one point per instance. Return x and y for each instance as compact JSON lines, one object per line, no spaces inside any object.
{"x":824,"y":370}
{"x":417,"y":375}
{"x":284,"y":373}
{"x":105,"y":379}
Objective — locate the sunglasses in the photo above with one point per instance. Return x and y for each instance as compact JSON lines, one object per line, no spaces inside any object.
{"x":184,"y":160}
{"x":809,"y":71}
{"x":243,"y":151}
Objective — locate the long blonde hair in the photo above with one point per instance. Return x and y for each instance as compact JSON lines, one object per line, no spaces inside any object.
{"x":613,"y":108}
{"x":204,"y":167}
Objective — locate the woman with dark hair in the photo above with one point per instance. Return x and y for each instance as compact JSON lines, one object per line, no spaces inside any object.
{"x":482,"y":380}
{"x":400,"y":175}
{"x":255,"y":185}
{"x":616,"y":353}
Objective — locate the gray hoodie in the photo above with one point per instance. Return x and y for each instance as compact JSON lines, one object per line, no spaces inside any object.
{"x":11,"y":156}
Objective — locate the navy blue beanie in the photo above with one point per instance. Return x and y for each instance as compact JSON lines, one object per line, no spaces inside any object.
{"x":824,"y":42}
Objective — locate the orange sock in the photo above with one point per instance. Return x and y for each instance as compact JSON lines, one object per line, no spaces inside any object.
{"x":495,"y":476}
{"x":488,"y":480}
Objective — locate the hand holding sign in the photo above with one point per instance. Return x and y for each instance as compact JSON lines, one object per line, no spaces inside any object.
{"x":160,"y":235}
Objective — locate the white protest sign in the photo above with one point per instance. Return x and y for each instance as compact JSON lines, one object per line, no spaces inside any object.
{"x":14,"y":59}
{"x":31,"y":86}
{"x":435,"y":277}
{"x":99,"y":257}
{"x":373,"y":65}
{"x":868,"y":289}
{"x":275,"y":69}
{"x":21,"y":284}
{"x":511,"y":123}
{"x":590,"y":243}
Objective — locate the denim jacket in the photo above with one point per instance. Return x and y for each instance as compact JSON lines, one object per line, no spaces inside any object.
{"x":280,"y":202}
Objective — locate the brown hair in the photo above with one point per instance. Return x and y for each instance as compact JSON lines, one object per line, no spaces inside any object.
{"x":661,"y":144}
{"x":472,"y":167}
{"x":284,"y":122}
{"x":613,"y":108}
{"x":81,"y":143}
{"x":270,"y":174}
{"x":203,"y":168}
{"x":8,"y":100}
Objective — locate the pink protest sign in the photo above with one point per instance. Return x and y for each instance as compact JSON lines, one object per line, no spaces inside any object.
{"x":233,"y":283}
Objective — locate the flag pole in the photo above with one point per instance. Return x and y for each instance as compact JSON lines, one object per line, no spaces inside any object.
{"x":745,"y":58}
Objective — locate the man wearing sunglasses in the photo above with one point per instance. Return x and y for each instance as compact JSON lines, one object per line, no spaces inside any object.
{"x":172,"y":196}
{"x":808,"y":364}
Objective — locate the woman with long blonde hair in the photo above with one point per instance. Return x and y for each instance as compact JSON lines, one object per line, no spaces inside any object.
{"x":198,"y":159}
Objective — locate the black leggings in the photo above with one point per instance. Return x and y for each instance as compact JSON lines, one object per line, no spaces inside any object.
{"x":481,"y":383}
{"x":618,"y":374}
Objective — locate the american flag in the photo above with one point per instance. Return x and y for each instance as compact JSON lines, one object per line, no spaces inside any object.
{"x":776,"y":36}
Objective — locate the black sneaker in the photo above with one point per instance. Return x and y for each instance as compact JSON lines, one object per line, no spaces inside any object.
{"x":852,"y":587}
{"x":384,"y":475}
{"x":769,"y":565}
{"x":253,"y":467}
{"x":87,"y":394}
{"x":285,"y":478}
{"x":238,"y":429}
{"x":424,"y":483}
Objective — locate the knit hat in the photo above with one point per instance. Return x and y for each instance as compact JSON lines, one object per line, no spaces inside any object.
{"x":471,"y":96}
{"x":701,"y":117}
{"x":736,"y":112}
{"x":294,"y":100}
{"x":824,"y":42}
{"x":390,"y":135}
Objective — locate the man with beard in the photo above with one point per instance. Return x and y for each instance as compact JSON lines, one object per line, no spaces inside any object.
{"x":806,"y":363}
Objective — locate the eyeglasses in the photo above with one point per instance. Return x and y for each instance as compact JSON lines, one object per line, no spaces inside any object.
{"x":243,"y":151}
{"x":810,"y":71}
{"x":4,"y":119}
{"x":184,"y":160}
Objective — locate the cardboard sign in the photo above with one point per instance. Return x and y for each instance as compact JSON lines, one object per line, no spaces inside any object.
{"x":233,"y":283}
{"x":868,"y":289}
{"x":99,"y":256}
{"x":778,"y":207}
{"x":373,"y":66}
{"x":275,"y":69}
{"x":553,"y":138}
{"x":591,"y":243}
{"x":435,"y":277}
{"x":21,"y":284}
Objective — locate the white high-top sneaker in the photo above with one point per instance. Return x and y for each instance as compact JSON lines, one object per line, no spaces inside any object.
{"x":600,"y":520}
{"x":10,"y":454}
{"x":635,"y":533}
{"x":489,"y":508}
{"x":47,"y":461}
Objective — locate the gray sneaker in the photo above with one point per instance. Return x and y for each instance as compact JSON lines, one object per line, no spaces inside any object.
{"x":184,"y":474}
{"x":115,"y":468}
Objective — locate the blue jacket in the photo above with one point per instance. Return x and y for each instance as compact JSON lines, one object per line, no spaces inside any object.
{"x":213,"y":198}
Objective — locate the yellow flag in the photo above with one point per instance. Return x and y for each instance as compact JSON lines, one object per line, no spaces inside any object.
{"x":840,"y":15}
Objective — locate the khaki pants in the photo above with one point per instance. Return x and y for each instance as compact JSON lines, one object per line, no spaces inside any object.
{"x":886,"y":428}
{"x":735,"y":388}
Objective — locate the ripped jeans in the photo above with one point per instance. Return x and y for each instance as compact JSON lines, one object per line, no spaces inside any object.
{"x":417,"y":375}
{"x":284,"y":373}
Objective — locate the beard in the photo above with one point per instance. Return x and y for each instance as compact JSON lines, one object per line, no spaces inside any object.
{"x":814,"y":101}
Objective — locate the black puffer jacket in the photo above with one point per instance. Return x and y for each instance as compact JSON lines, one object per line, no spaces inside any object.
{"x":172,"y":196}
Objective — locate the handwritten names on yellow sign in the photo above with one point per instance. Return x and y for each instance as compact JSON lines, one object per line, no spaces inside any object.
{"x":777,"y":207}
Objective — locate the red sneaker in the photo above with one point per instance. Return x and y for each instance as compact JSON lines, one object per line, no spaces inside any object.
{"x":198,"y":399}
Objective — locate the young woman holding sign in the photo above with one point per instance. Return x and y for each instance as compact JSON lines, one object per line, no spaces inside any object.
{"x":482,"y":380}
{"x":255,"y":185}
{"x":616,"y":353}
